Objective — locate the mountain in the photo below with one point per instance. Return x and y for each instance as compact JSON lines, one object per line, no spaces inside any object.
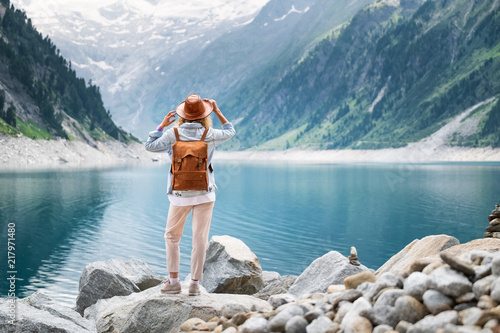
{"x":317,"y":74}
{"x":396,"y":73}
{"x":40,"y":94}
{"x":131,"y":47}
{"x":261,"y":51}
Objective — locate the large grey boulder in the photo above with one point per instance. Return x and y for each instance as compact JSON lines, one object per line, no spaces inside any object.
{"x":425,"y":247}
{"x":231,"y":267}
{"x":331,"y":268}
{"x":114,"y":277}
{"x":150,"y":311}
{"x":38,"y":313}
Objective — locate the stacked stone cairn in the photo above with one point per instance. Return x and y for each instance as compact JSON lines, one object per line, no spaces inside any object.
{"x":493,"y":230}
{"x":353,"y":258}
{"x":444,"y":294}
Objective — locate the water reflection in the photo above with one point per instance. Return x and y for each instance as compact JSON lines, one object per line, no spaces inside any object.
{"x":50,"y":210}
{"x":287,"y":214}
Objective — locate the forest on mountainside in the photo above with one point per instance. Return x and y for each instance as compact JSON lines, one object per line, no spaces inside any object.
{"x":32,"y":65}
{"x":394,"y":74}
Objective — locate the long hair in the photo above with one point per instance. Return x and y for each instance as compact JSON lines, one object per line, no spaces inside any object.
{"x":205,"y":122}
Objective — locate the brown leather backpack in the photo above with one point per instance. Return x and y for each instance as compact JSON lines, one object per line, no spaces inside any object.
{"x":189,"y":164}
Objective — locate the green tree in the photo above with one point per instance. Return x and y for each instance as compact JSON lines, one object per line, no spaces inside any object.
{"x":10,"y":116}
{"x":2,"y":100}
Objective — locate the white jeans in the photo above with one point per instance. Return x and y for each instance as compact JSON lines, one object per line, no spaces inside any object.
{"x":202,"y":216}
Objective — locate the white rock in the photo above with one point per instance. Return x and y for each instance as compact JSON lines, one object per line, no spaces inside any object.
{"x":357,"y":307}
{"x":161,"y":313}
{"x":450,"y":282}
{"x":433,"y":323}
{"x":417,"y":284}
{"x":38,"y":313}
{"x":231,"y":267}
{"x":331,"y":268}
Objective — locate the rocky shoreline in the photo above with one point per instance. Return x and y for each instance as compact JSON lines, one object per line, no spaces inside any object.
{"x":434,"y":284}
{"x":26,"y":154}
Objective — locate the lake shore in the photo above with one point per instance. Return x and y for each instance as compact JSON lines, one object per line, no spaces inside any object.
{"x":26,"y":154}
{"x":411,"y":154}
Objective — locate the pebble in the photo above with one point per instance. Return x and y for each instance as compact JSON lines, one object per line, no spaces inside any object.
{"x":342,"y":311}
{"x":239,"y":318}
{"x":495,"y":290}
{"x":389,"y":279}
{"x":449,"y":281}
{"x":486,"y":302}
{"x":319,"y":325}
{"x":359,"y":325}
{"x":280,"y":299}
{"x":230,"y":330}
{"x":443,"y":301}
{"x":483,"y":286}
{"x":353,"y":281}
{"x":189,"y":324}
{"x":410,"y":309}
{"x":431,"y":267}
{"x":278,"y":322}
{"x":419,"y":264}
{"x":389,"y":297}
{"x":296,"y":324}
{"x":470,"y":316}
{"x":348,"y":295}
{"x":360,"y":305}
{"x":255,"y":325}
{"x":383,"y":314}
{"x":464,"y":306}
{"x":403,"y":326}
{"x":477,"y":256}
{"x":495,"y":265}
{"x":382,"y":329}
{"x":436,"y":301}
{"x":466,"y":298}
{"x":335,"y":288}
{"x":432,"y":323}
{"x":457,"y":264}
{"x":416,"y":284}
{"x":313,"y":314}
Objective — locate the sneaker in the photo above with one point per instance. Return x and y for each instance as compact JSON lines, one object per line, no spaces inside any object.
{"x":194,"y":289}
{"x":169,"y":288}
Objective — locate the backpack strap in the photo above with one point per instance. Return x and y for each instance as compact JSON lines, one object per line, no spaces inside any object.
{"x":176,"y":134}
{"x":204,"y":135}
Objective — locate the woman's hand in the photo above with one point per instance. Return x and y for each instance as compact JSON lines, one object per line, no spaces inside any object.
{"x":214,"y":104}
{"x":167,"y":121}
{"x":217,"y":111}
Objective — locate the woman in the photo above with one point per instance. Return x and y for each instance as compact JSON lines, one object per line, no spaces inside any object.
{"x":194,"y":118}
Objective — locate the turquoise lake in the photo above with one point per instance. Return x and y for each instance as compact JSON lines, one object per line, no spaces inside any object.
{"x":288,"y":214}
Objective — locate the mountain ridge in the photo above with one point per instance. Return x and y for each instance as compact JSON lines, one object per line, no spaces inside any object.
{"x":391,"y":97}
{"x":43,"y":97}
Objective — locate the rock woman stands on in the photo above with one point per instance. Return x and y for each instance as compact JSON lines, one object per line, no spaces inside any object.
{"x":194,"y":118}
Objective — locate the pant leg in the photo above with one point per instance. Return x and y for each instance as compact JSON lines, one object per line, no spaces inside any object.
{"x":202,"y":216}
{"x":173,"y":232}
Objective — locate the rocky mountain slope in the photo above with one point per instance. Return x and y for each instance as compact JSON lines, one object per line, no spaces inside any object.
{"x":40,"y":93}
{"x":395,"y":74}
{"x":316,"y":74}
{"x":131,"y":48}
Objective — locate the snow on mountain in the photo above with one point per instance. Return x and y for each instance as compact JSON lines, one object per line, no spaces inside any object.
{"x":128,"y":47}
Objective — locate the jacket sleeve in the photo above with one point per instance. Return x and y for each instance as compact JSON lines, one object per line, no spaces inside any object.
{"x":226,"y":133}
{"x":158,"y":141}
